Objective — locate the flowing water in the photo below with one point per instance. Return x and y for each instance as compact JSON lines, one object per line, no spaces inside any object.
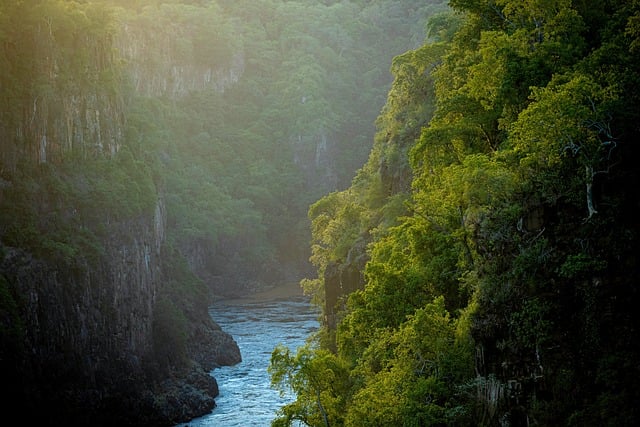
{"x":246,"y":397}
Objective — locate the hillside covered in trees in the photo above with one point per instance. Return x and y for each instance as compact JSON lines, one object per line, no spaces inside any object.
{"x":482,"y":267}
{"x":156,"y":153}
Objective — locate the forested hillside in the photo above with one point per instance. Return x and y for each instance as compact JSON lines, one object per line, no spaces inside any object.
{"x":253,"y":110}
{"x":154,"y":154}
{"x":481,"y":269}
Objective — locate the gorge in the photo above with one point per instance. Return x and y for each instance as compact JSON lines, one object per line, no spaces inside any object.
{"x":155,"y":155}
{"x":453,"y":185}
{"x":257,"y":323}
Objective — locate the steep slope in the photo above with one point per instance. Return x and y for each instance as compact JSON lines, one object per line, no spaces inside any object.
{"x":504,"y":291}
{"x":91,"y":331}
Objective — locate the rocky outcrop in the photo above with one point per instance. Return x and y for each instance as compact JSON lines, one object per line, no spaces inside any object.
{"x":173,"y":50}
{"x":343,"y":278}
{"x":58,"y":98}
{"x":81,"y":341}
{"x":89,"y":331}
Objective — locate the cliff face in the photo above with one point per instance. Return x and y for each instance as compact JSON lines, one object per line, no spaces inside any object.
{"x":87,"y":346}
{"x":89,"y":331}
{"x":65,"y":68}
{"x":94,"y":323}
{"x":173,"y":50}
{"x":59,"y":84}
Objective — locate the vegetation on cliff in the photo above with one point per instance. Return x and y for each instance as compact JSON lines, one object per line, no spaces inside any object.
{"x":492,"y":232}
{"x":287,"y":117}
{"x":478,"y":270}
{"x":154,"y":151}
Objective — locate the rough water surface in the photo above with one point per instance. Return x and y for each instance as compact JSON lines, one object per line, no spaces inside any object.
{"x":258,"y":325}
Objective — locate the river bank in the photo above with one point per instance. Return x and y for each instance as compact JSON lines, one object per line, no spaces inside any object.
{"x":258,"y":322}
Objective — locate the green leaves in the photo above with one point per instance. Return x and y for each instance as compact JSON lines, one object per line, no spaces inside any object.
{"x":335,"y":224}
{"x":408,"y":374}
{"x":405,"y":377}
{"x":460,"y":193}
{"x":318,"y":378}
{"x":568,"y":122}
{"x":567,"y":118}
{"x":515,"y":129}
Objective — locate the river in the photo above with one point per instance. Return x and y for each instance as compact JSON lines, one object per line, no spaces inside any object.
{"x":258,"y":325}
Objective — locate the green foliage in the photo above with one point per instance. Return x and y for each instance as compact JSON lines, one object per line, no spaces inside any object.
{"x":493,"y":225}
{"x":319,"y":380}
{"x":413,"y":382}
{"x":61,"y":213}
{"x":530,"y":325}
{"x":289,"y":123}
{"x":581,"y":265}
{"x":335,"y":225}
{"x":514,"y":221}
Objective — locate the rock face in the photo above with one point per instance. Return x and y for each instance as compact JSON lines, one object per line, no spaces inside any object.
{"x":174,"y":50}
{"x":89,"y":332}
{"x":82,"y":342}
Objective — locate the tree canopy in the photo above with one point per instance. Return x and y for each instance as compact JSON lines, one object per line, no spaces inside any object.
{"x":493,"y":293}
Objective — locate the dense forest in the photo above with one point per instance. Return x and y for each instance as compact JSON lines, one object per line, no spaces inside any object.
{"x":457,"y":180}
{"x":482,"y":267}
{"x":155,"y":154}
{"x":241,"y":113}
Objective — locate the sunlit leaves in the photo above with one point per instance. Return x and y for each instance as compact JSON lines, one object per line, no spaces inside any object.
{"x":335,"y":224}
{"x":568,"y":118}
{"x":568,"y":121}
{"x":408,"y":373}
{"x":531,"y":12}
{"x":459,"y":193}
{"x":525,"y":130}
{"x":318,"y":378}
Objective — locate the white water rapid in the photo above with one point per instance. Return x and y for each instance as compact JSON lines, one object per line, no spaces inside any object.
{"x":246,"y":397}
